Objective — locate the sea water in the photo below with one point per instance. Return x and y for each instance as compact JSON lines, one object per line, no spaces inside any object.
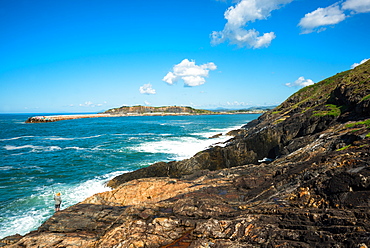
{"x":78,"y":157}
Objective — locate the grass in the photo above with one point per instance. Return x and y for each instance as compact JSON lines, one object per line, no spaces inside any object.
{"x":333,"y":110}
{"x":366,"y":98}
{"x":281,"y":119}
{"x":343,"y":148}
{"x":360,"y":123}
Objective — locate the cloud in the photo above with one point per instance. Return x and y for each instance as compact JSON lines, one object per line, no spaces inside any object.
{"x":86,"y":104}
{"x":238,"y":16}
{"x":357,"y":64}
{"x":321,"y":17}
{"x":190,"y":73}
{"x":147,"y":89}
{"x":89,"y":104}
{"x":236,"y":103}
{"x":331,"y":15}
{"x":300,"y":82}
{"x":357,"y":6}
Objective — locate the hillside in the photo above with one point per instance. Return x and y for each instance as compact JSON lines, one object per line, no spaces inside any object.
{"x":124,"y":110}
{"x":298,"y":176}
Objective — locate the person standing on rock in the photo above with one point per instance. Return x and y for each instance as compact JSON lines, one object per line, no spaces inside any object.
{"x":58,"y":201}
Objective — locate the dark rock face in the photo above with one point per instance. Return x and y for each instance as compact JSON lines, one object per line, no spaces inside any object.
{"x":281,"y":131}
{"x":280,"y":204}
{"x":315,"y":192}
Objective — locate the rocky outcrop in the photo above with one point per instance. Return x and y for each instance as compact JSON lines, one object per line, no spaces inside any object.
{"x":281,"y":131}
{"x":53,"y":118}
{"x":314,"y":190}
{"x":321,"y":201}
{"x":124,"y":110}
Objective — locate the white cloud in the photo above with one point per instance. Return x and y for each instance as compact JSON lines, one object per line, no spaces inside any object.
{"x":331,"y":15}
{"x":190,"y":73}
{"x":358,"y":6}
{"x":236,"y":103}
{"x":147,"y":89}
{"x":357,"y":64}
{"x":170,"y":78}
{"x":321,"y":17}
{"x":300,"y":82}
{"x":244,"y":12}
{"x":147,"y":103}
{"x":89,"y":104}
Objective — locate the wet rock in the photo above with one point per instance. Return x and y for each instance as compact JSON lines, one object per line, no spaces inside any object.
{"x":216,"y":136}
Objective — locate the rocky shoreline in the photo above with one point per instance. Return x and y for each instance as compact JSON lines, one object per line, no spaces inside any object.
{"x":312,"y":190}
{"x":138,"y":111}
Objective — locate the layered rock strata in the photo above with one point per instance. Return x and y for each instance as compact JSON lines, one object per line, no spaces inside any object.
{"x":312,"y":191}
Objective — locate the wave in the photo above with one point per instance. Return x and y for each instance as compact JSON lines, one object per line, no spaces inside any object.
{"x":27,"y":214}
{"x":179,"y":148}
{"x":58,"y":138}
{"x":33,"y":148}
{"x":75,"y":148}
{"x":215,"y":131}
{"x":50,"y":138}
{"x":76,"y":138}
{"x":16,"y":138}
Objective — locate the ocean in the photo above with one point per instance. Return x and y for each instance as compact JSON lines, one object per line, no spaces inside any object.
{"x":77,"y":157}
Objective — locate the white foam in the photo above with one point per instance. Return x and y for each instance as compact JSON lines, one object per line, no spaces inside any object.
{"x":75,"y":148}
{"x":76,"y":138}
{"x":33,"y":148}
{"x":26,"y":220}
{"x":15,"y":138}
{"x":23,"y":223}
{"x":58,"y":138}
{"x":179,"y":148}
{"x":10,"y":147}
{"x":215,"y":131}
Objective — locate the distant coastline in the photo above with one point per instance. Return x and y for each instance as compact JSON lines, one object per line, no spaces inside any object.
{"x":144,"y":111}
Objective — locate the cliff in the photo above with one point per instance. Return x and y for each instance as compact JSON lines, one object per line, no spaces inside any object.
{"x":298,"y":176}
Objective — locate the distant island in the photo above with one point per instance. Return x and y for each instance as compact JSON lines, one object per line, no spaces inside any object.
{"x":147,"y":111}
{"x":170,"y":110}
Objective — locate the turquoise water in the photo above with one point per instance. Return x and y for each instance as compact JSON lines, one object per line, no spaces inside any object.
{"x":77,"y":157}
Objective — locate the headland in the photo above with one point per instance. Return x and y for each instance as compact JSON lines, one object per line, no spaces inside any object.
{"x":298,"y":176}
{"x":141,"y":111}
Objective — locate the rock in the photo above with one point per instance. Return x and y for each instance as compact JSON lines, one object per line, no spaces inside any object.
{"x":10,"y":240}
{"x":315,"y":193}
{"x":216,"y":136}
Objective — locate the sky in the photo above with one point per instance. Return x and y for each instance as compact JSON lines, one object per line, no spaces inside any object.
{"x":92,"y":55}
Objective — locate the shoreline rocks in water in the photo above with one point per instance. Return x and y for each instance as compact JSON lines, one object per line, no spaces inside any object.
{"x":53,"y":118}
{"x":315,"y":193}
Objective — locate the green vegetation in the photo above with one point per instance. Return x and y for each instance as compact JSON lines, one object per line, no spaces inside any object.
{"x":368,"y":135}
{"x":366,"y":98}
{"x":200,"y":111}
{"x":333,"y":110}
{"x":343,"y":148}
{"x":311,"y":96}
{"x":360,"y":123}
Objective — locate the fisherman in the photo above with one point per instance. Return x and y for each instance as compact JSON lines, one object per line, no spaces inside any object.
{"x":58,"y":201}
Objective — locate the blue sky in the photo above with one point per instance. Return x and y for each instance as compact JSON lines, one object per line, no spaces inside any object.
{"x":92,"y":55}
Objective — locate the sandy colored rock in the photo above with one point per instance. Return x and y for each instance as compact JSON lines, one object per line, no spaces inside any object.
{"x":313,"y":192}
